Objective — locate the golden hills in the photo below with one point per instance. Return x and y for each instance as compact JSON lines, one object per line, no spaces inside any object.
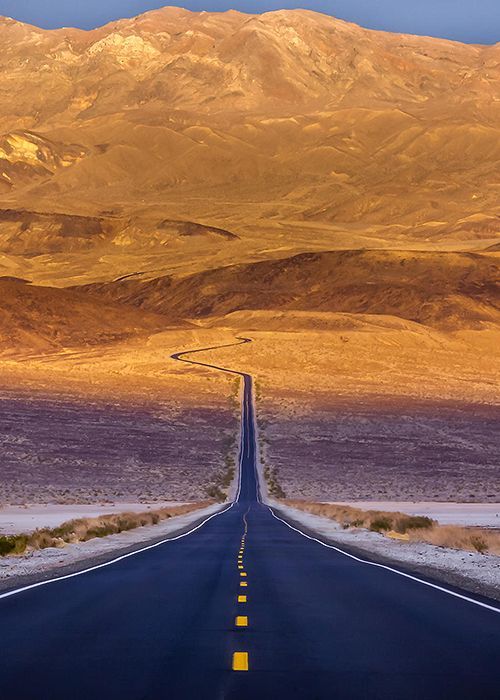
{"x":42,"y":319}
{"x":220,"y":168}
{"x":292,"y":130}
{"x":449,"y":291}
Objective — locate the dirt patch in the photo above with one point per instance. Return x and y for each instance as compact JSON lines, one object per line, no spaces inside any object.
{"x":401,"y":451}
{"x":76,"y":451}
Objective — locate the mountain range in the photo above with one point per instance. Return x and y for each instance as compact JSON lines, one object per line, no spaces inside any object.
{"x":179,"y":143}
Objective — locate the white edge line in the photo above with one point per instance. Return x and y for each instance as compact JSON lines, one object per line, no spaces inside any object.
{"x":115,"y":560}
{"x":387,"y":568}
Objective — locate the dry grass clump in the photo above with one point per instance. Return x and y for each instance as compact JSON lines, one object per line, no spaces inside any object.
{"x":375,"y":520}
{"x":84,"y":529}
{"x":218,"y":490}
{"x":469,"y":538}
{"x":418,"y":528}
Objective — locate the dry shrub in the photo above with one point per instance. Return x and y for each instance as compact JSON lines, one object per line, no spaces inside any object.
{"x":84,"y":529}
{"x":418,"y":527}
{"x":376,"y":520}
{"x":470,"y":538}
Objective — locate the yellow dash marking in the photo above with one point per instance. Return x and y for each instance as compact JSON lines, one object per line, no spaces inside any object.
{"x":243,"y":573}
{"x":240,"y":566}
{"x":242,"y":599}
{"x":243,"y":584}
{"x":241,"y":621}
{"x":240,"y":661}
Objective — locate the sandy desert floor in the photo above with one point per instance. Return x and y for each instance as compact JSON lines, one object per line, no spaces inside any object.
{"x":395,"y":414}
{"x":399,"y":414}
{"x":118,"y":424}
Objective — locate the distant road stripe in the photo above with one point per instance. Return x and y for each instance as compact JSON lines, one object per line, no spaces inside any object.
{"x":388,"y":568}
{"x":243,"y":584}
{"x":240,"y":661}
{"x":242,"y":599}
{"x":241,"y":621}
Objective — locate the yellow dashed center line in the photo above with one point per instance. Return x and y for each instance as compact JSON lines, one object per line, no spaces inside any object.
{"x":240,"y":658}
{"x":240,"y":661}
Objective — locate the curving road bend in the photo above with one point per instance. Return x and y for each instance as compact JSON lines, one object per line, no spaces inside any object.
{"x":312,"y":622}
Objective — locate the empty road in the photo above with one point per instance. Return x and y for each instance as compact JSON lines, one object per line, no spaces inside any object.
{"x":187,"y":618}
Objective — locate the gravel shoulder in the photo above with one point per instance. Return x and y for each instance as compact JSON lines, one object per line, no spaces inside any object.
{"x":52,"y":562}
{"x":469,"y":571}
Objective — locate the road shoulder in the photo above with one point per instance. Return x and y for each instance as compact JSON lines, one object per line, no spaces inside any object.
{"x":467,"y":571}
{"x":49,"y":563}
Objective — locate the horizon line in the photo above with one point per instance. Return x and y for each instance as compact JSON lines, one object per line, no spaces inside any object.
{"x":247,"y":14}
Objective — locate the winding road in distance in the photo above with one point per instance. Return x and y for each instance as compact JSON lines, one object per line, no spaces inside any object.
{"x":307,"y":620}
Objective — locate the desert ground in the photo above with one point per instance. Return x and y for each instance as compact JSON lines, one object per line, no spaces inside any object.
{"x":352,"y":414}
{"x":123,"y":423}
{"x":390,"y":413}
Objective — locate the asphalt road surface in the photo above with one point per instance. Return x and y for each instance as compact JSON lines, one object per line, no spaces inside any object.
{"x":187,"y":618}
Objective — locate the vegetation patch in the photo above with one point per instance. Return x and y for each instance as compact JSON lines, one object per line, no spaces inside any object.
{"x":218,"y":490}
{"x":418,"y":528}
{"x":84,"y":529}
{"x":273,"y":485}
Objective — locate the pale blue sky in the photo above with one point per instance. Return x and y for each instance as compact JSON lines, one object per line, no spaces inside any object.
{"x":474,"y":21}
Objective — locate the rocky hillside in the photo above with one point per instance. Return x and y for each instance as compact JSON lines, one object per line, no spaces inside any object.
{"x":451,"y":291}
{"x":284,"y":63}
{"x":291,"y":130}
{"x":42,"y":319}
